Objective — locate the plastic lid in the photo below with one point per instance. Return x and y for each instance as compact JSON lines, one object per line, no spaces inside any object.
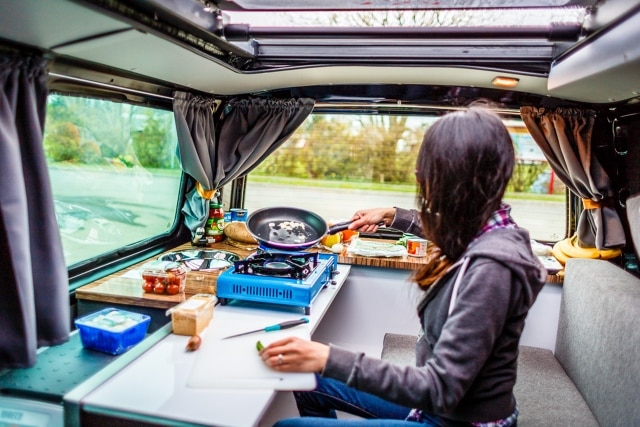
{"x":162,"y":266}
{"x":195,"y":304}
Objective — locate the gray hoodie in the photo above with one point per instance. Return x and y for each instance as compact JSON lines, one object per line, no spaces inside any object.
{"x":466,"y":360}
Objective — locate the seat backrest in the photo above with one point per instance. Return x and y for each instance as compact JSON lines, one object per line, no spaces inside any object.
{"x":598,"y":340}
{"x":399,"y":348}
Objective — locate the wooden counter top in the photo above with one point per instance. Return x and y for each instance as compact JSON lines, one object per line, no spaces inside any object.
{"x":117,"y":288}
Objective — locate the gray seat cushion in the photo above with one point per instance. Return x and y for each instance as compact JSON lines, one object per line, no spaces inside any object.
{"x":400,"y":349}
{"x":545,"y":395}
{"x":598,"y":342}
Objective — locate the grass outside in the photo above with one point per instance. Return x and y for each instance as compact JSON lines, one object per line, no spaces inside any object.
{"x":111,"y":167}
{"x":395,"y":188}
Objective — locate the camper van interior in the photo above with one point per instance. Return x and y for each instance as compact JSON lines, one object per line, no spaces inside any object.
{"x":144,"y":144}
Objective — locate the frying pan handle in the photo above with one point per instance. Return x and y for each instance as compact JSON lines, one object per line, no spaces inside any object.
{"x":341,"y":226}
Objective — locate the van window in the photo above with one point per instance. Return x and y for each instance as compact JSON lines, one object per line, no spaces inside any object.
{"x":114,"y":173}
{"x":335,"y":164}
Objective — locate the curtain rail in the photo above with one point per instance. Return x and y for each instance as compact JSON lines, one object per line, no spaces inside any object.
{"x":111,"y":86}
{"x":400,"y":106}
{"x":318,"y":105}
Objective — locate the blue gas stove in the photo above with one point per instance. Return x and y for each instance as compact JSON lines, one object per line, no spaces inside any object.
{"x":277,"y":277}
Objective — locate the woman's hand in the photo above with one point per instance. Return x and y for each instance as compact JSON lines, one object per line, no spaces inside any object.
{"x":295,"y":355}
{"x":368,"y":220}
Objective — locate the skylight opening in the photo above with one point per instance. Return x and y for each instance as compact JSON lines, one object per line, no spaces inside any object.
{"x":412,"y":18}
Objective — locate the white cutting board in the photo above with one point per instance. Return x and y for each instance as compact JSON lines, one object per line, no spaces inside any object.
{"x":234,"y":363}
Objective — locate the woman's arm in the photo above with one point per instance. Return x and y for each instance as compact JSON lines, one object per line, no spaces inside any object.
{"x":368,"y":220}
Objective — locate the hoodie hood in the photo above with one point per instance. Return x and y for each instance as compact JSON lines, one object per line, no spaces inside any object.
{"x":512,"y":248}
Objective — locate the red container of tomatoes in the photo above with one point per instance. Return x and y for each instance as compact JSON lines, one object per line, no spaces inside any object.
{"x":164,"y":278}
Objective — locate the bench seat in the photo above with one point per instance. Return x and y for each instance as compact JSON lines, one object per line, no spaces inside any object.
{"x":545,"y":394}
{"x":593,"y":376}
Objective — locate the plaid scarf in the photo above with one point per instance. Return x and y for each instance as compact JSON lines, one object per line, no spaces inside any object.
{"x":499,"y":219}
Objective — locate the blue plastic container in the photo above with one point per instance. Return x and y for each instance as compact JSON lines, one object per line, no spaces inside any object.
{"x":112,"y":330}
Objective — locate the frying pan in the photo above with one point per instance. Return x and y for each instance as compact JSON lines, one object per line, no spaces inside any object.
{"x":290,"y":229}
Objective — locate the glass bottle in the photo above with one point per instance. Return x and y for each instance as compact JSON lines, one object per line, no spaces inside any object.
{"x":215,"y":222}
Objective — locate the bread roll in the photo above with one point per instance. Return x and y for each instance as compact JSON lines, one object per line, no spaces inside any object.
{"x":237,"y":231}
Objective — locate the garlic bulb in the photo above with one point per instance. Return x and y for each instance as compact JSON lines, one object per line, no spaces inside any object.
{"x":337,"y":248}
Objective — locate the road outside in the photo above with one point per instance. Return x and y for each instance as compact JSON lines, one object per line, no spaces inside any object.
{"x":544,"y":220}
{"x":100,"y":210}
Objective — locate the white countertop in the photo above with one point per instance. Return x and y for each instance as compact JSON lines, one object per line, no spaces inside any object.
{"x":157,"y":384}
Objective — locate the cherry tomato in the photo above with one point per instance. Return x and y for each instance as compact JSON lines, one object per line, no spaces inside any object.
{"x":159,"y":288}
{"x":148,"y":286}
{"x":173,"y":289}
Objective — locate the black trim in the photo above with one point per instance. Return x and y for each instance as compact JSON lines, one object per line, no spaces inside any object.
{"x":435,"y":96}
{"x":551,"y":32}
{"x":238,"y":189}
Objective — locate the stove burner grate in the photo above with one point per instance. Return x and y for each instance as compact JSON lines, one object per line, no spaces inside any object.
{"x":296,"y":265}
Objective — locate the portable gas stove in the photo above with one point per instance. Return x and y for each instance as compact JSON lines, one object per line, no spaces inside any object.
{"x":277,"y":277}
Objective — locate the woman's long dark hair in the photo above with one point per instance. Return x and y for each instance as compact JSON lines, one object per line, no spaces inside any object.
{"x":463,"y":167}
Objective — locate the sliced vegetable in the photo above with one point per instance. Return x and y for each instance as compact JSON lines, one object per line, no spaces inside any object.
{"x":259,"y":346}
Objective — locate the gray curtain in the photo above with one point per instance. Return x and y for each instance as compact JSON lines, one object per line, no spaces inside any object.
{"x":34,"y":307}
{"x":250,"y":129}
{"x":564,"y":136}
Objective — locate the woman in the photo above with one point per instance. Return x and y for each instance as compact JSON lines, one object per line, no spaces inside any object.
{"x":479,"y":282}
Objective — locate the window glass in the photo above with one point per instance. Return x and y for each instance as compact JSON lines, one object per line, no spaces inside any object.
{"x":114,"y":172}
{"x":513,"y":17}
{"x":336,"y":164}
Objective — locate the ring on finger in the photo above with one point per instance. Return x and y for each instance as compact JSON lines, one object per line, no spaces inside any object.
{"x":280,"y":359}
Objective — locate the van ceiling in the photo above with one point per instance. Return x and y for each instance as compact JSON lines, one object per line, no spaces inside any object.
{"x":184,"y":44}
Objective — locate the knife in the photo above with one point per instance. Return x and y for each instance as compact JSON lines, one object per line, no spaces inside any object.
{"x":277,"y":327}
